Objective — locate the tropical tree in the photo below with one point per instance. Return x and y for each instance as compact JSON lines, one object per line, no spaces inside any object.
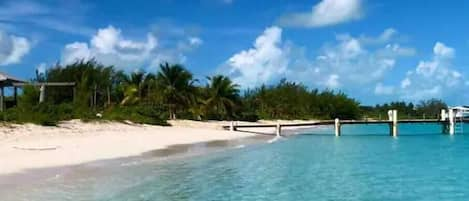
{"x":222,"y":95}
{"x":431,"y":107}
{"x":93,"y":81}
{"x":132,"y":87}
{"x":177,"y":87}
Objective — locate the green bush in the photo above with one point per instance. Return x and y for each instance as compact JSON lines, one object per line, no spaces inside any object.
{"x":145,"y":114}
{"x":249,"y":116}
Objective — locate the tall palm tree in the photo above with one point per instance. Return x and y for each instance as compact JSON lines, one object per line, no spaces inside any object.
{"x":133,"y":87}
{"x":177,"y":86}
{"x":223,"y":95}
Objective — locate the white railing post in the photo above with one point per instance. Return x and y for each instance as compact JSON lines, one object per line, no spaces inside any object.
{"x":231,"y":126}
{"x":451,"y":121}
{"x":394,"y":123}
{"x":42,"y":93}
{"x":390,"y":115}
{"x":443,"y":115}
{"x":278,"y":129}
{"x":337,"y":127}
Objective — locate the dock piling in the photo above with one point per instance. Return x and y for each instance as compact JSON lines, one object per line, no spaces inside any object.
{"x":394,"y":123}
{"x":232,"y":126}
{"x":443,"y":115}
{"x":337,"y":127}
{"x":451,"y":121}
{"x":278,"y":129}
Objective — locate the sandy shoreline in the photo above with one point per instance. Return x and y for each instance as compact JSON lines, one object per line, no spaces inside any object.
{"x":24,"y":147}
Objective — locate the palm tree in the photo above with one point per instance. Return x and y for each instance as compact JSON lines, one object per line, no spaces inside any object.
{"x":177,"y":86}
{"x":223,"y":95}
{"x":133,"y":87}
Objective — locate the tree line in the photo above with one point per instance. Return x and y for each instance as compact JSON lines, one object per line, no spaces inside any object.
{"x":425,"y":109}
{"x":172,"y":92}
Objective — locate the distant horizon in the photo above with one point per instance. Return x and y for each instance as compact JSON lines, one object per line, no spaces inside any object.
{"x":374,"y":51}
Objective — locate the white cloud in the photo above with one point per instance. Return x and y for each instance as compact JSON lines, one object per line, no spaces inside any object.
{"x":12,"y":48}
{"x":195,"y":41}
{"x":405,"y":83}
{"x":56,"y":16}
{"x":356,"y":64}
{"x":350,"y":64}
{"x":41,"y":68}
{"x":434,"y":78}
{"x":424,"y":93}
{"x":333,"y":81}
{"x":76,"y":51}
{"x":325,"y":13}
{"x":110,"y":47}
{"x":398,"y":50}
{"x":381,"y":89}
{"x":346,"y":63}
{"x":386,"y":36}
{"x":267,"y":60}
{"x":441,"y":50}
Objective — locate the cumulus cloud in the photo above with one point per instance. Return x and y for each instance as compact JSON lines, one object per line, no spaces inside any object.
{"x":76,"y":51}
{"x":356,"y":64}
{"x":267,"y":60}
{"x":325,"y":13}
{"x":332,"y":81}
{"x":434,"y":78}
{"x":441,"y":50}
{"x":110,"y":47}
{"x":405,"y":83}
{"x":12,"y":48}
{"x":381,"y":89}
{"x":346,"y":63}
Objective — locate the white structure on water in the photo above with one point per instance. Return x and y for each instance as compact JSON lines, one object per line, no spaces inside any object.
{"x":455,"y":117}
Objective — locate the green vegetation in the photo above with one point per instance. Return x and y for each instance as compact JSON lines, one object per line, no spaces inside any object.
{"x":428,"y":109}
{"x":102,"y":92}
{"x":289,"y":100}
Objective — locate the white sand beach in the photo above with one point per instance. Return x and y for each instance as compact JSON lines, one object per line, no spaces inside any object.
{"x":29,"y":146}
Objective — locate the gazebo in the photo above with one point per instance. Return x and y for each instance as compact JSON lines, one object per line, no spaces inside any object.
{"x":8,"y":81}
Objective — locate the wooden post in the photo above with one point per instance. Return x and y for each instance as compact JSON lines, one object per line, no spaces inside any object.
{"x":15,"y":95}
{"x":337,"y":127}
{"x":2,"y":101}
{"x":394,"y":123}
{"x":74,"y":93}
{"x":42,"y":94}
{"x":108,"y":96}
{"x":443,"y":115}
{"x":451,"y":121}
{"x":232,"y":126}
{"x":94,"y":96}
{"x":278,"y":129}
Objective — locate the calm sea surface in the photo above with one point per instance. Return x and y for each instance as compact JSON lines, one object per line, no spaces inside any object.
{"x":363,"y":164}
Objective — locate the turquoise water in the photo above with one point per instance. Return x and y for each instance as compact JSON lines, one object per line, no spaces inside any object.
{"x":363,"y":164}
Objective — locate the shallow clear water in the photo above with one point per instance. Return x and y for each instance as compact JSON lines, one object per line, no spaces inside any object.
{"x":363,"y":164}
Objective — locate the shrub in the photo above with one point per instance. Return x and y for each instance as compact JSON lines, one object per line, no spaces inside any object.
{"x":145,"y":114}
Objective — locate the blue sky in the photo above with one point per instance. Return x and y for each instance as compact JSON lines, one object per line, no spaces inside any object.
{"x":375,"y":51}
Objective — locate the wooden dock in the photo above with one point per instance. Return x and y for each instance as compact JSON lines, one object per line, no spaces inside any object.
{"x":332,"y":122}
{"x":338,"y":123}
